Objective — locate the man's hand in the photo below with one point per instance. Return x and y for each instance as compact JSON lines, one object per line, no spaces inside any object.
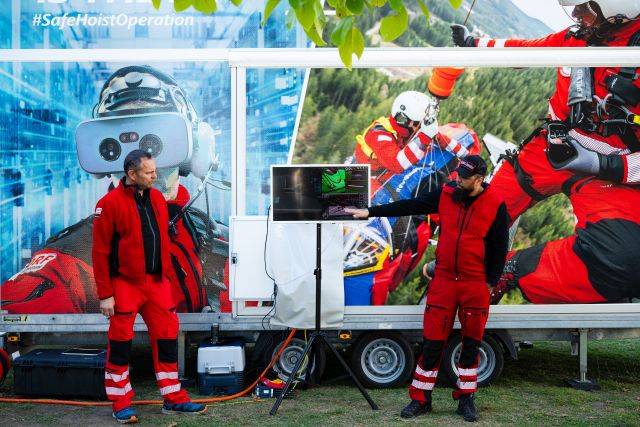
{"x":357,"y":213}
{"x":107,"y":306}
{"x":461,"y":36}
{"x":429,"y":270}
{"x":584,"y":161}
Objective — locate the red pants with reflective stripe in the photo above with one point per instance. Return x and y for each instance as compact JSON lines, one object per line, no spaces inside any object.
{"x":151,"y":298}
{"x":470,"y":299}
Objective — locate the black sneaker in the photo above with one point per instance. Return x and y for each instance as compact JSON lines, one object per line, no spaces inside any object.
{"x":416,"y":408}
{"x":467,"y":408}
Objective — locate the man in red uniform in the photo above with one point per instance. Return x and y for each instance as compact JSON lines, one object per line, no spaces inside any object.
{"x":131,"y":262}
{"x":587,"y":149}
{"x":470,"y":256}
{"x":393,"y":144}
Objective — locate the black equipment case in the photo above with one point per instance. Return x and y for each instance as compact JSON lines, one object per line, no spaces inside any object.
{"x":48,"y":372}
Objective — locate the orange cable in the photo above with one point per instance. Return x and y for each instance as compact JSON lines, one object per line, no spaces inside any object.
{"x":155,"y":402}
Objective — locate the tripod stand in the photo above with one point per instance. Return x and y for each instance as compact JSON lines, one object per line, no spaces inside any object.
{"x":317,"y":337}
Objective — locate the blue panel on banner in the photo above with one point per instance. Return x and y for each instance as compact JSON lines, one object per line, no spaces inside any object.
{"x":357,"y":289}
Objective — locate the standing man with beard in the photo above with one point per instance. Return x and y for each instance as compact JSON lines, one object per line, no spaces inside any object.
{"x":470,"y":257}
{"x":131,"y":262}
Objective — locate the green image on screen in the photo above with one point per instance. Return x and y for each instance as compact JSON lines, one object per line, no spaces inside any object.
{"x":334,"y":182}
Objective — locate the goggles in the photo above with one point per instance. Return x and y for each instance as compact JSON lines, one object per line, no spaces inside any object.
{"x":102,"y":144}
{"x":404,"y":121}
{"x":583,"y":14}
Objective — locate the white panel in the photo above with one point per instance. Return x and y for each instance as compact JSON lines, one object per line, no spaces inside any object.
{"x":248,"y":280}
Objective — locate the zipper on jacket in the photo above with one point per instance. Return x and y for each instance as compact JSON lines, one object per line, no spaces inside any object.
{"x":458,"y":241}
{"x":146,"y":212}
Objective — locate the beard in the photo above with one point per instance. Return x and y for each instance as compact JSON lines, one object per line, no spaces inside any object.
{"x":459,"y":194}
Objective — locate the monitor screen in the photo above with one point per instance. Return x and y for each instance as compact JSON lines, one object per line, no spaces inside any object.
{"x":315,"y":193}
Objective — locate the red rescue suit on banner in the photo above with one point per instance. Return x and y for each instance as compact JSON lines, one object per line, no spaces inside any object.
{"x":59,"y":277}
{"x":470,"y":254}
{"x":608,"y":230}
{"x":390,"y":149}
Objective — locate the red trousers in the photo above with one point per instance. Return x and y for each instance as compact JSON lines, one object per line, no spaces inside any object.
{"x":151,"y":298}
{"x":597,"y":264}
{"x":470,"y":299}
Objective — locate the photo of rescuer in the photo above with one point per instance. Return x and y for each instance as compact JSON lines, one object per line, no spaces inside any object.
{"x":587,"y":150}
{"x":138,"y":107}
{"x":471,"y":252}
{"x":316,"y":193}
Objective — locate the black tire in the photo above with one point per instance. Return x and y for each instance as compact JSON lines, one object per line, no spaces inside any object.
{"x":285,"y":364}
{"x":382,"y":360}
{"x":491,"y":359}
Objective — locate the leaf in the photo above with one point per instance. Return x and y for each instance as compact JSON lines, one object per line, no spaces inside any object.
{"x":341,"y":31}
{"x":205,"y":6}
{"x":271,"y":4}
{"x":378,"y":3}
{"x":315,"y":37}
{"x":393,"y":25}
{"x":290,"y":19}
{"x":455,"y":3}
{"x":180,"y":5}
{"x":353,"y":43}
{"x":295,"y":3}
{"x":355,"y":6}
{"x":358,"y":42}
{"x":306,"y":15}
{"x":424,"y":9}
{"x":396,"y":5}
{"x":346,"y":52}
{"x":236,"y":2}
{"x":156,"y":4}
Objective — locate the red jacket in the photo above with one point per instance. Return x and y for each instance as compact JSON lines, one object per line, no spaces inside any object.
{"x":118,"y":248}
{"x":460,"y":253}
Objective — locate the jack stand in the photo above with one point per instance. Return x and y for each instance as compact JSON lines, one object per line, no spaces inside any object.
{"x":582,"y":383}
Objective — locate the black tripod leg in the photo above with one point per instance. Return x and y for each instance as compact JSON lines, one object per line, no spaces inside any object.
{"x":351,"y":374}
{"x":296,"y":368}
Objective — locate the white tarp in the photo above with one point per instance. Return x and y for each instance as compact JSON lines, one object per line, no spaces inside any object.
{"x":291,"y":260}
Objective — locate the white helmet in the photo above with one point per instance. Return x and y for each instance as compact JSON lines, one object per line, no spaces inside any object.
{"x":412,"y":106}
{"x":611,"y":9}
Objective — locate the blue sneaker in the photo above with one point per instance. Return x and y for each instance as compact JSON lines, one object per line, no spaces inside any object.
{"x":126,"y":416}
{"x":183,"y":408}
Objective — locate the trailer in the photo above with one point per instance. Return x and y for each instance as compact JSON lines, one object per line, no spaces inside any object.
{"x":382,"y":338}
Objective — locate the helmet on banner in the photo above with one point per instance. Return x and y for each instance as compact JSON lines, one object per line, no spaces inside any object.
{"x":411,"y":107}
{"x":139,"y":90}
{"x":591,"y":15}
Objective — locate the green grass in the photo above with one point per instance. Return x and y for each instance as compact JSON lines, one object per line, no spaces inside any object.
{"x":530,"y":392}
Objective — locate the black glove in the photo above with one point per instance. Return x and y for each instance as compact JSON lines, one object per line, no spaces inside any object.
{"x":461,"y":37}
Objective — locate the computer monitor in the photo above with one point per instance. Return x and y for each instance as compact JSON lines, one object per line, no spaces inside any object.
{"x":318,"y":193}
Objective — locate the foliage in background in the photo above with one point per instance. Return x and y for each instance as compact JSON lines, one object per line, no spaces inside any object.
{"x":347,"y":35}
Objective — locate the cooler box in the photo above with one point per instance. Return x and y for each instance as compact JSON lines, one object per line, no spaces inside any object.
{"x":73,"y":372}
{"x":221,"y":368}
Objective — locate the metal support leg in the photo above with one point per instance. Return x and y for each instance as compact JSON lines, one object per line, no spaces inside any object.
{"x":583,"y":383}
{"x":181,"y":354}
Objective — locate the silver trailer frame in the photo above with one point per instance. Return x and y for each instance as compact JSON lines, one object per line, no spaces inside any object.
{"x":511,"y":324}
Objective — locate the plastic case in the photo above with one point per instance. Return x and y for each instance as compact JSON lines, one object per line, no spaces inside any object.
{"x":55,"y":372}
{"x":221,"y":367}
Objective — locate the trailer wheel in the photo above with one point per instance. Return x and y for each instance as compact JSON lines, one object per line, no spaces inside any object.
{"x":291,"y":354}
{"x":382,"y":360}
{"x":491,"y":359}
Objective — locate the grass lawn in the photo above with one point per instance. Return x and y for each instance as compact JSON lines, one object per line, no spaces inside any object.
{"x":530,"y":392}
